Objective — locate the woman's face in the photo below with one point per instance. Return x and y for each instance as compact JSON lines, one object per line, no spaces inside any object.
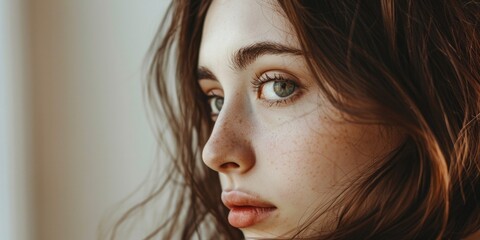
{"x":280,"y":149}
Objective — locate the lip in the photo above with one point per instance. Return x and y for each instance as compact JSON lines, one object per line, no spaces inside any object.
{"x":246,"y":209}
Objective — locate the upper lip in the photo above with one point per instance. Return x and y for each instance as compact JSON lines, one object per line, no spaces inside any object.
{"x":236,"y":199}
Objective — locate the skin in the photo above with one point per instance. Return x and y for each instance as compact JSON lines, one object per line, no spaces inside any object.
{"x":296,"y":154}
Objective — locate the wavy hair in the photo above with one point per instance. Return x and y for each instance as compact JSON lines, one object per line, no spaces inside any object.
{"x":409,"y":64}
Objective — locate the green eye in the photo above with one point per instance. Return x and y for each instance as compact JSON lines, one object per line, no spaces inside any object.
{"x":277,"y":89}
{"x":283,"y":88}
{"x":216,"y":104}
{"x":219,"y":103}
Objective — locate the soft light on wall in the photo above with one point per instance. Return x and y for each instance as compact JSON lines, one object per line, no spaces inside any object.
{"x":78,"y":129}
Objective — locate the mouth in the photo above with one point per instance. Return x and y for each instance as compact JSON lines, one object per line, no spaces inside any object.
{"x":246,"y":210}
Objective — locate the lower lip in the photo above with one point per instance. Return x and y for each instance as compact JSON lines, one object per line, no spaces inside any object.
{"x":242,"y":217}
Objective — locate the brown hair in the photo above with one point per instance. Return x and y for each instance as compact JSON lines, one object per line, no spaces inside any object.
{"x":406,"y":63}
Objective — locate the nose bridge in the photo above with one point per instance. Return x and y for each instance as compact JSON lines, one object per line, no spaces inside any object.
{"x":229,"y":147}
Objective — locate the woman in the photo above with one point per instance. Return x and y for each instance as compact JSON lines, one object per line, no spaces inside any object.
{"x":322,"y":119}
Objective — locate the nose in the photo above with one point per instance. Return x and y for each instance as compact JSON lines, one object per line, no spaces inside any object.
{"x":229,"y":148}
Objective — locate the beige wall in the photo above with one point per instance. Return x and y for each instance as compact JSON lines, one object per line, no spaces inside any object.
{"x":87,"y":141}
{"x":15,"y":158}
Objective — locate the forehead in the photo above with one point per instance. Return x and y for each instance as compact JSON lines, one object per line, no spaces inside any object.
{"x":232,"y":24}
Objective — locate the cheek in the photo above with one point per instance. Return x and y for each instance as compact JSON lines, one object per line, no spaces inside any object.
{"x":301,"y":157}
{"x":315,"y":155}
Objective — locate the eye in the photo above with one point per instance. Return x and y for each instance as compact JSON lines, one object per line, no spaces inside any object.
{"x":276,"y":88}
{"x":214,"y":100}
{"x":216,"y":104}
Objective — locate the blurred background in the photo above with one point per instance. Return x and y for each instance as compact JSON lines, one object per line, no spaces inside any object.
{"x":74,"y":134}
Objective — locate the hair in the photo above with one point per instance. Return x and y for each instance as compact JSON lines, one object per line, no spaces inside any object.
{"x":413,"y":65}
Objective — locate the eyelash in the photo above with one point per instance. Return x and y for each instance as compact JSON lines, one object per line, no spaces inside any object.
{"x":260,"y":80}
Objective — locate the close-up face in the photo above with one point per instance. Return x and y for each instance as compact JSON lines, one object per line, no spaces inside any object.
{"x":281,"y":150}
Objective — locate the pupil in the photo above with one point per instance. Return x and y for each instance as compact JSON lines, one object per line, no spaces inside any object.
{"x":219,"y":103}
{"x":283,"y":88}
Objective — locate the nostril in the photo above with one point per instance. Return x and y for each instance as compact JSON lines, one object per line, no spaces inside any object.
{"x":229,"y":165}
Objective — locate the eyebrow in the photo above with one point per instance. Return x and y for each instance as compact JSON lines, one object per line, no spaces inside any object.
{"x":205,"y":73}
{"x":248,"y":54}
